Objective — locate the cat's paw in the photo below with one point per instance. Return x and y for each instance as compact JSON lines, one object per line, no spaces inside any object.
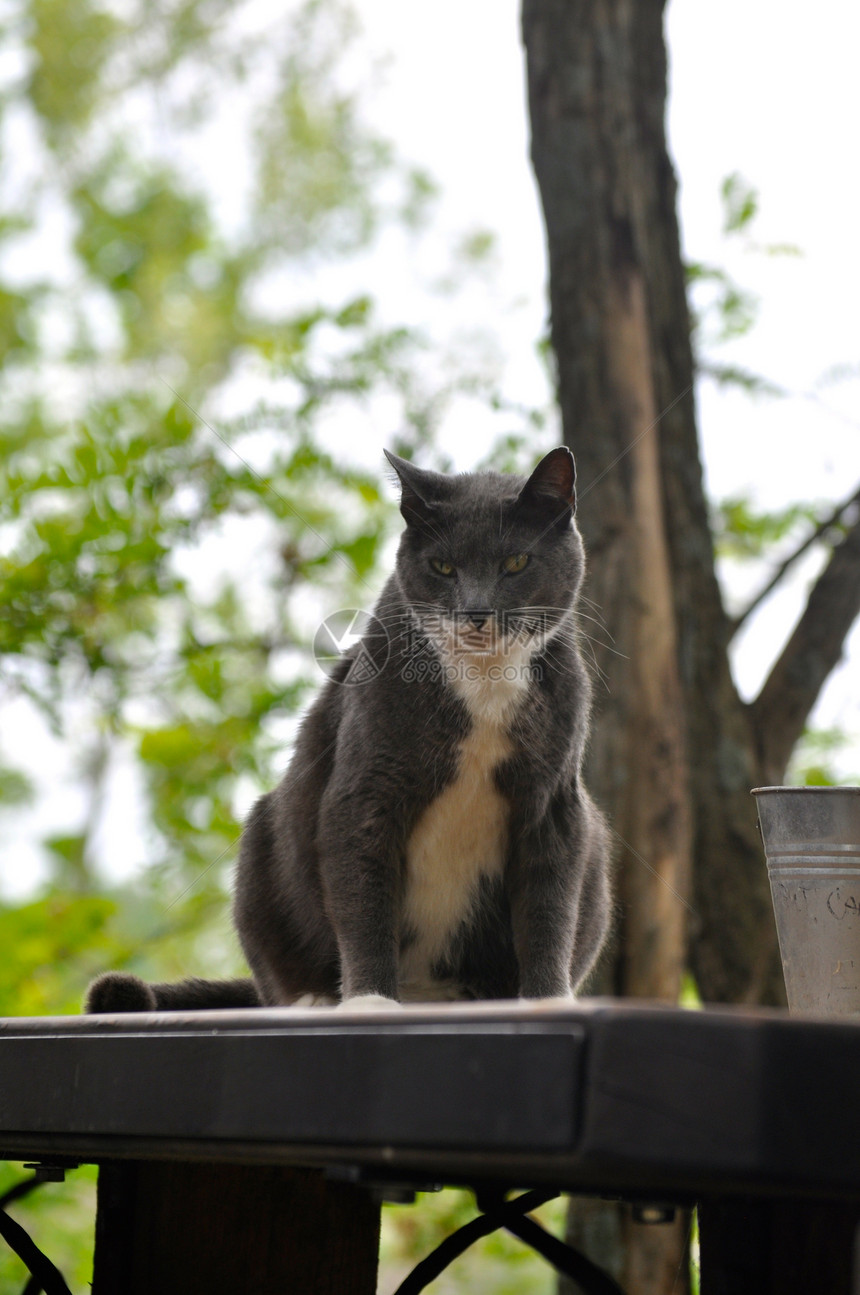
{"x":119,"y":991}
{"x":552,"y":1000}
{"x":314,"y":1000}
{"x":369,"y":1003}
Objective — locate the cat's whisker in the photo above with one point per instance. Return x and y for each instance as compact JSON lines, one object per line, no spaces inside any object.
{"x":595,"y":607}
{"x":572,"y":635}
{"x":589,"y":661}
{"x":595,"y":620}
{"x":596,"y":669}
{"x":605,"y":647}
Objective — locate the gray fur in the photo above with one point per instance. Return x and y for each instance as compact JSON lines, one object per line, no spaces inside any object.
{"x":321,"y":873}
{"x":324,"y":876}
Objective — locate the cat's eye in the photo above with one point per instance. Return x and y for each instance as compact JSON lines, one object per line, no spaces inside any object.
{"x":516,"y":563}
{"x":441,"y":567}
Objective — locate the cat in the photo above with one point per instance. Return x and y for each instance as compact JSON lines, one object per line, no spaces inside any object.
{"x":432,"y":838}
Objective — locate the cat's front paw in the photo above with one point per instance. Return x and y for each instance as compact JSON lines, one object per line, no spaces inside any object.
{"x":314,"y":1000}
{"x":551,"y":1000}
{"x":369,"y":1003}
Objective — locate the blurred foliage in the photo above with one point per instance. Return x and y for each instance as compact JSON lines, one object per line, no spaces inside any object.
{"x":816,"y":760}
{"x":497,"y":1265}
{"x":58,"y":1216}
{"x":721,"y":309}
{"x":743,"y":531}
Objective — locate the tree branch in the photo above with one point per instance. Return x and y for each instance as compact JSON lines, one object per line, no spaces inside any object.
{"x":790,"y":691}
{"x":820,"y":530}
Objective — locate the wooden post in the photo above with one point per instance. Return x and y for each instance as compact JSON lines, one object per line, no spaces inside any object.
{"x":778,"y":1247}
{"x":215,"y":1229}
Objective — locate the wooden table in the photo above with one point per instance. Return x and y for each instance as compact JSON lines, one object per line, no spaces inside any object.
{"x":211,"y":1130}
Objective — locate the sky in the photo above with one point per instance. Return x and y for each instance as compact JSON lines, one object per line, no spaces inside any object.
{"x":766,"y":90}
{"x":762,"y":90}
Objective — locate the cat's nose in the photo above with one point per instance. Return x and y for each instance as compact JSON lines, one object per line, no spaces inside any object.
{"x":479,"y":617}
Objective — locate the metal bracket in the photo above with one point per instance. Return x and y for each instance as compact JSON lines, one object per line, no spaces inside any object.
{"x":51,"y":1171}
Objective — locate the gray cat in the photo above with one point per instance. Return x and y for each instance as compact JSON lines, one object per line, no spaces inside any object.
{"x":432,"y":838}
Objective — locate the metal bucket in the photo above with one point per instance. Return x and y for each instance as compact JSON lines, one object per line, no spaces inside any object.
{"x":812,"y":842}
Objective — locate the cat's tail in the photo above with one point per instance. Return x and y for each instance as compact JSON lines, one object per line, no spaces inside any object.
{"x":119,"y":991}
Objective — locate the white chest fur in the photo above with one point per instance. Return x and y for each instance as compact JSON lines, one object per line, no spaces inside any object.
{"x":461,"y":837}
{"x":492,"y":684}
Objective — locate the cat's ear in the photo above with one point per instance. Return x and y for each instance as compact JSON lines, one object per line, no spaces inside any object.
{"x":420,"y":490}
{"x":552,"y":485}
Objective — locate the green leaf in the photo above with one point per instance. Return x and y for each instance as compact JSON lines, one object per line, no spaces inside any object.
{"x":740,"y":203}
{"x":743,"y":531}
{"x":816,"y":758}
{"x":15,"y":787}
{"x":71,"y":45}
{"x":733,"y":375}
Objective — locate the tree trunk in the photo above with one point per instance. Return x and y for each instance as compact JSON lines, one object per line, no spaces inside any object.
{"x":600,"y":191}
{"x":675,"y":751}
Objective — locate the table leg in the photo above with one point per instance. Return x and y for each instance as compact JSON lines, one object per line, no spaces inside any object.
{"x":217,"y":1229}
{"x":756,"y":1246}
